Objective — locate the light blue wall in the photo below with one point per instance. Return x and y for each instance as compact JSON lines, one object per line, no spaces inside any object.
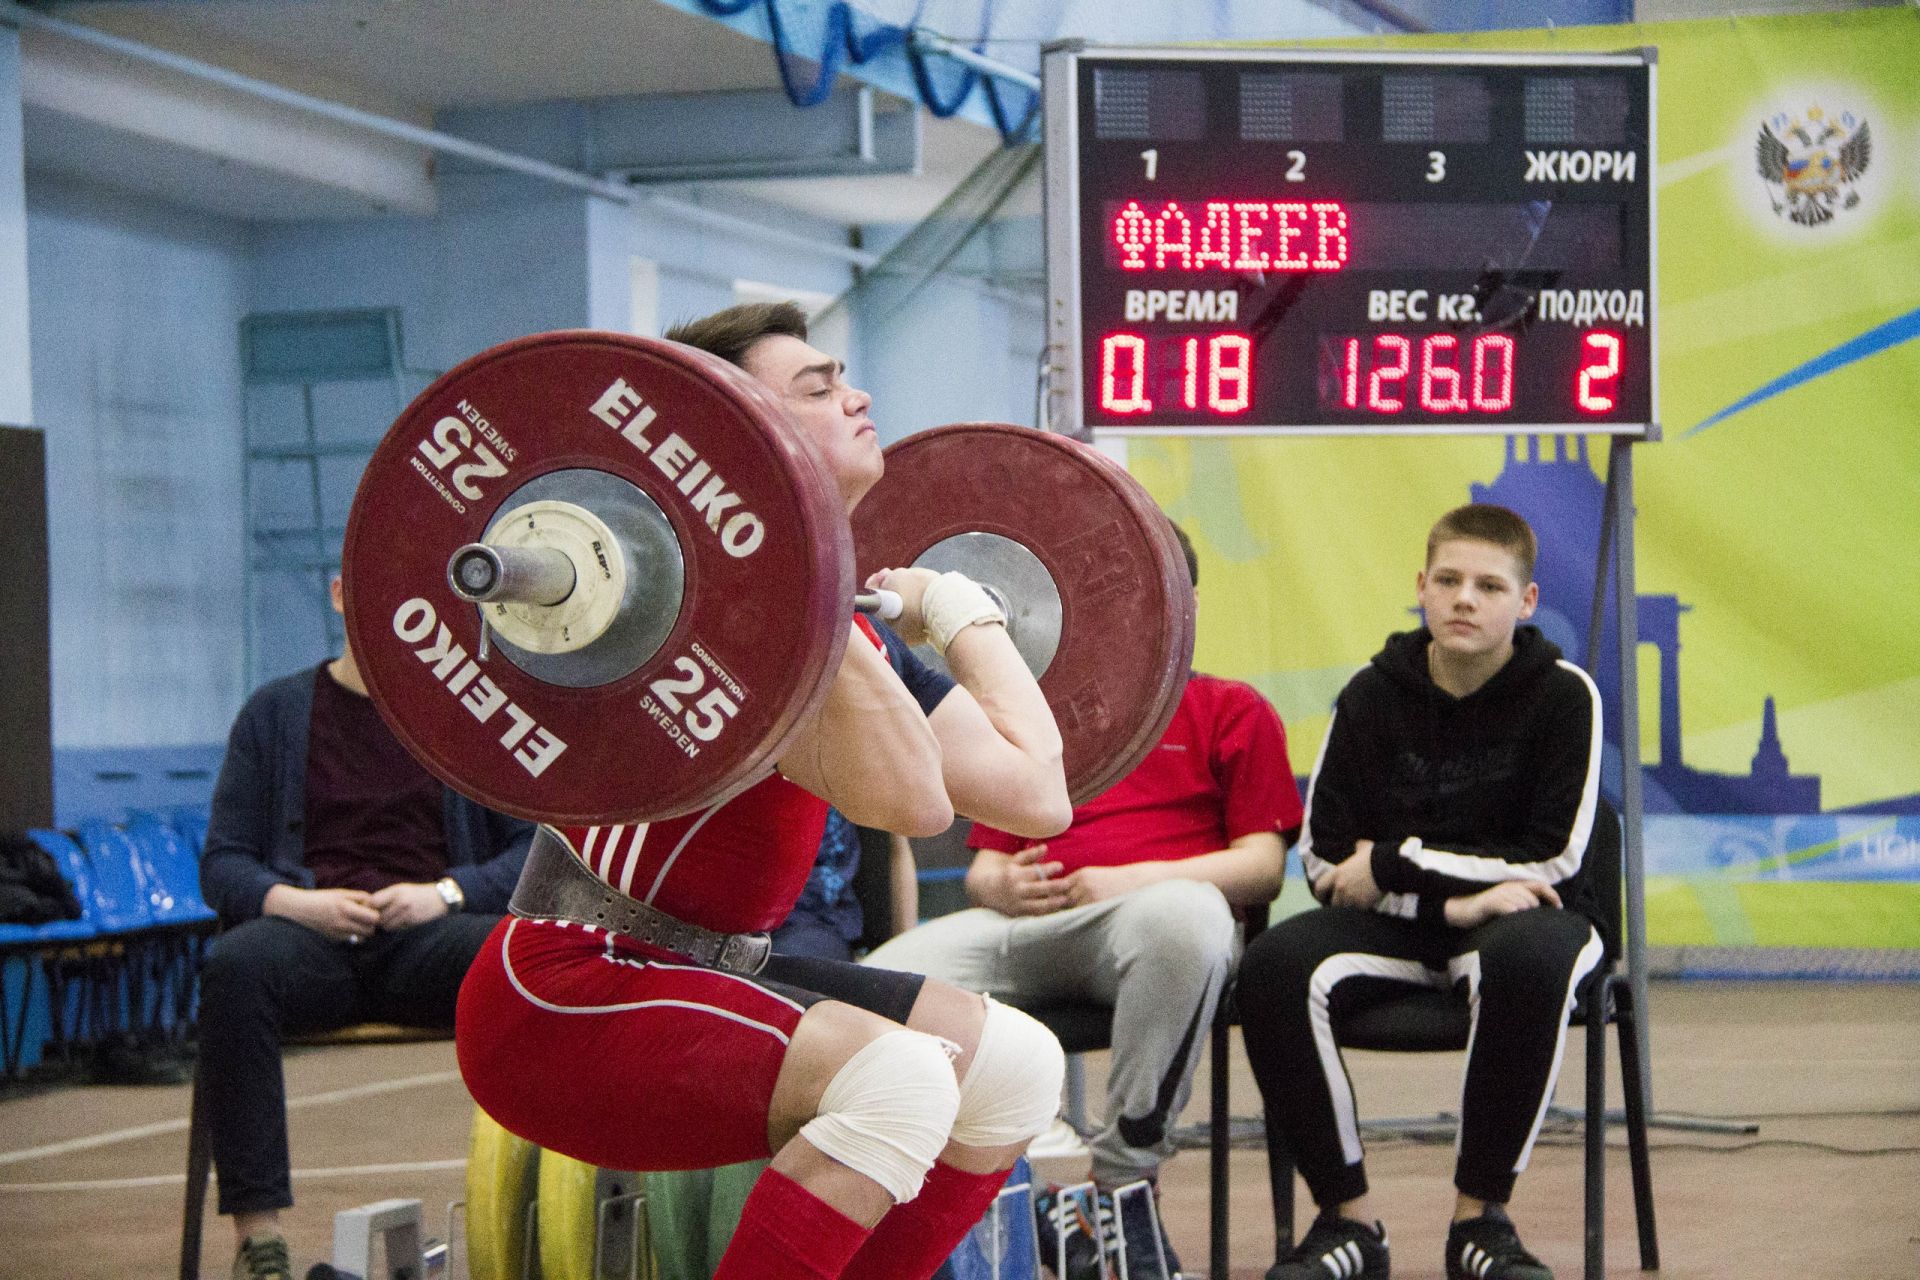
{"x":136,"y":383}
{"x":956,"y":353}
{"x":699,"y":266}
{"x":16,"y":384}
{"x":136,"y":308}
{"x":960,"y":349}
{"x":503,"y":258}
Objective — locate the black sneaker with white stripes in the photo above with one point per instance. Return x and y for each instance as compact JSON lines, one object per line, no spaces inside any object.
{"x":1336,"y":1248}
{"x":1488,"y":1248}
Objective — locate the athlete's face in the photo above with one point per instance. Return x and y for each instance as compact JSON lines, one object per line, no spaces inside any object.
{"x":829,"y":411}
{"x":1473,"y":598}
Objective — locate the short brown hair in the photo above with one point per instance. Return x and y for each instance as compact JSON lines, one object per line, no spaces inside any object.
{"x":1186,"y":549}
{"x":1485,"y":522}
{"x":730,"y":334}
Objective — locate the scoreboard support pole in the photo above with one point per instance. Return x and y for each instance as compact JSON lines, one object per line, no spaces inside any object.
{"x":1616,"y":562}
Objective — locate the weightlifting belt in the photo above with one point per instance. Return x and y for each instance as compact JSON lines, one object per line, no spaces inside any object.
{"x":555,"y":886}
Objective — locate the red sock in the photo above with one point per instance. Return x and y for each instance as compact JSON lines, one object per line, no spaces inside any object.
{"x":786,"y":1230}
{"x":915,"y":1238}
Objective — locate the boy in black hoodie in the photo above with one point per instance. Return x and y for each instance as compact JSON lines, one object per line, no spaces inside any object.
{"x":1446,"y":830}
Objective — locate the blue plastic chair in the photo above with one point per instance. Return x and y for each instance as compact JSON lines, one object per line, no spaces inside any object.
{"x":120,"y":902}
{"x":191,"y":822}
{"x":171,"y":874}
{"x":124,"y":978}
{"x":37,"y":947}
{"x":170,"y":868}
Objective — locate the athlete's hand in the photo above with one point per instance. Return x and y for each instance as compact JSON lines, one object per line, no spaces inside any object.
{"x":911,"y":586}
{"x":1502,"y":899}
{"x":1017,"y":884}
{"x":1097,"y":884}
{"x":402,"y":906}
{"x":344,"y":915}
{"x":1351,"y":883}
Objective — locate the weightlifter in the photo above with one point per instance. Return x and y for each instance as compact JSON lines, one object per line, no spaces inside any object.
{"x":892,"y":1106}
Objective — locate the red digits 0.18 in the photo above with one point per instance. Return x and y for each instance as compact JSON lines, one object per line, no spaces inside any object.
{"x":1216,"y":373}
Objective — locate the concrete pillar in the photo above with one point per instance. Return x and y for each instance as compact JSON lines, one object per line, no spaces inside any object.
{"x":16,"y":367}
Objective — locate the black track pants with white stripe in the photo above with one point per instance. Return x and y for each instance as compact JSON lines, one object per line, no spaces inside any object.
{"x":1517,"y":975}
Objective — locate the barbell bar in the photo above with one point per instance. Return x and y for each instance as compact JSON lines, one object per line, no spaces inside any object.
{"x":480,"y":573}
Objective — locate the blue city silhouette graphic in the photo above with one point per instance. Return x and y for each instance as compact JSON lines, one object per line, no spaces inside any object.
{"x":1549,"y":481}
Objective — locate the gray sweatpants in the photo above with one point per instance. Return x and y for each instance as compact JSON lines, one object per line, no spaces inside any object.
{"x":1158,"y":955}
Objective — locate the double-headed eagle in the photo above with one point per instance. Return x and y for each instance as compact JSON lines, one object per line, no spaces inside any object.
{"x":1811,"y":161}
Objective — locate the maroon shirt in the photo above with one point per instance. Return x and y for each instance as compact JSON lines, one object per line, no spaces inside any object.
{"x":374,"y":816}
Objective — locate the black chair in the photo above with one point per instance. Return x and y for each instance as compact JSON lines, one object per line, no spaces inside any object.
{"x":1426,"y":1021}
{"x":1085,"y":1026}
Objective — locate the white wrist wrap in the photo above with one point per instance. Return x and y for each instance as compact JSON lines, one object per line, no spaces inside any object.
{"x":953,"y":602}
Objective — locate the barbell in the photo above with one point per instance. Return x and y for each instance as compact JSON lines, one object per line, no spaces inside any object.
{"x":595,"y":578}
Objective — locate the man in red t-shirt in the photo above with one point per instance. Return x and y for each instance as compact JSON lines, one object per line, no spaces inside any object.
{"x":1132,"y":906}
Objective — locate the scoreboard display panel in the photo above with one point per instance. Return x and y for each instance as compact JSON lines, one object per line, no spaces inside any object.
{"x":1262,"y":241}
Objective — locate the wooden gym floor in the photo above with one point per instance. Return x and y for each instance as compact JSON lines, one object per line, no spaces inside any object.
{"x":90,"y":1177}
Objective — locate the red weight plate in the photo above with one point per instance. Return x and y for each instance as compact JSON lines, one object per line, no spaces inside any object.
{"x":762,"y":619}
{"x":1126,"y":601}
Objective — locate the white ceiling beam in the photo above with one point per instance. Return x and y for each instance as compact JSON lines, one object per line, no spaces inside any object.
{"x":111,"y":88}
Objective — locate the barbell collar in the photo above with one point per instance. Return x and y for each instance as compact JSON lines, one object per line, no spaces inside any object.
{"x":883,"y":604}
{"x":484,"y":574}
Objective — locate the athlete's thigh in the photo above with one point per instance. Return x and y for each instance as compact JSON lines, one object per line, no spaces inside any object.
{"x":861,"y":1004}
{"x":589,"y":1047}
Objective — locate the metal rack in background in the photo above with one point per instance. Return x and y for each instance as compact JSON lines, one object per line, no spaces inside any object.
{"x":292,"y":547}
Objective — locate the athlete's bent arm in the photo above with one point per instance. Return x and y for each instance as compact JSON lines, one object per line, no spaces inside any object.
{"x":1001,"y":748}
{"x":997,"y":735}
{"x":869,"y":751}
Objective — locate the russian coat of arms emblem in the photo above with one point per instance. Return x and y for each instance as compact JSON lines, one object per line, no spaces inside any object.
{"x":1811,"y":163}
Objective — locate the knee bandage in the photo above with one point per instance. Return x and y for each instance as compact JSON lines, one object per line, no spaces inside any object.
{"x":889,"y":1111}
{"x":1012,"y":1089}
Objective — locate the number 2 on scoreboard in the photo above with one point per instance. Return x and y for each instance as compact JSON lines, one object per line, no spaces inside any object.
{"x":1599,"y":380}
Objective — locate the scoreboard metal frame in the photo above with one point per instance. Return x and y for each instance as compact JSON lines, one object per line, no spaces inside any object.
{"x":1349,"y":372}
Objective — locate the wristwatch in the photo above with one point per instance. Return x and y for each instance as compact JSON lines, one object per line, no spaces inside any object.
{"x":450,"y":893}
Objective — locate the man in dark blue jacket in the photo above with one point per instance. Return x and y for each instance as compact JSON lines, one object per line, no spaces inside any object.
{"x":353,"y":887}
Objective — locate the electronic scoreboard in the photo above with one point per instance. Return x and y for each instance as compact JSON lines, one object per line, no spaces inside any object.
{"x":1256,"y":241}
